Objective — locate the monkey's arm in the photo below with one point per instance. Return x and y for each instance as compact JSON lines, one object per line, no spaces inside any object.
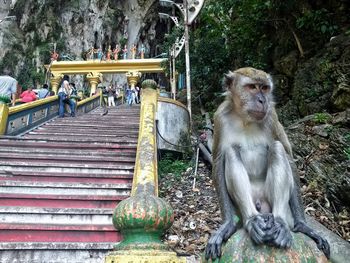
{"x":297,"y":210}
{"x":228,"y":227}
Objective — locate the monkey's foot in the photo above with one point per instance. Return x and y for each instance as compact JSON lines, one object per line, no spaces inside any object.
{"x":261,"y":228}
{"x":283,"y":238}
{"x":322,"y":243}
{"x":213,"y":249}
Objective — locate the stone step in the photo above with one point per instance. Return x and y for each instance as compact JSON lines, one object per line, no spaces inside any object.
{"x":57,"y":233}
{"x":26,"y":187}
{"x":76,"y":139}
{"x":10,"y":167}
{"x":54,"y":216}
{"x":126,"y":176}
{"x":83,"y":132}
{"x":63,"y":151}
{"x":19,"y":142}
{"x":131,"y":122}
{"x":58,"y":158}
{"x":64,"y":178}
{"x":56,"y":252}
{"x":69,"y":185}
{"x":52,"y":166}
{"x":60,"y":201}
{"x":87,"y":136}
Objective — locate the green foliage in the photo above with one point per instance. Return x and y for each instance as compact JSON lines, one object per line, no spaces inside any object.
{"x":347,"y":149}
{"x":347,"y":137}
{"x":347,"y":152}
{"x":321,"y":117}
{"x":4,"y":99}
{"x":317,"y":22}
{"x":170,"y":165}
{"x":230,"y":34}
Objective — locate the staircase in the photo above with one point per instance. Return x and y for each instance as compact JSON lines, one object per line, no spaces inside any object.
{"x":59,"y":184}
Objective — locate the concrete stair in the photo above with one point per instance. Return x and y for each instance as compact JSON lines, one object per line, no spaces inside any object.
{"x":59,"y":184}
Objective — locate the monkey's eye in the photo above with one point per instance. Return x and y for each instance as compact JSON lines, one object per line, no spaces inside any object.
{"x":251,"y":86}
{"x":265,"y":88}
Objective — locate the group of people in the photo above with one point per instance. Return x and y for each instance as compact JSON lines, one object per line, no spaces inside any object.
{"x":30,"y":95}
{"x":9,"y":87}
{"x":132,"y":95}
{"x":112,"y":94}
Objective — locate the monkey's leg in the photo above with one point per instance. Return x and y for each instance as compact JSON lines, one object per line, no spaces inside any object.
{"x":278,"y":187}
{"x":240,"y":189}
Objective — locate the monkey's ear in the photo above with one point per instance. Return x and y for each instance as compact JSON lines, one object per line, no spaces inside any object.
{"x":228,"y":79}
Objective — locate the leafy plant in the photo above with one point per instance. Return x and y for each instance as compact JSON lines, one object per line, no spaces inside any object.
{"x":321,"y":118}
{"x":4,"y":99}
{"x":317,"y":21}
{"x":347,"y":152}
{"x":170,"y":165}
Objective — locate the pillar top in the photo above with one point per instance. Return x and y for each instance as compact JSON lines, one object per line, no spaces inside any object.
{"x":149,"y":83}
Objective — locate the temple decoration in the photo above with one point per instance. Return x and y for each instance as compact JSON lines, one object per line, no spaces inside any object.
{"x":94,"y":78}
{"x":55,"y":81}
{"x":133,"y":77}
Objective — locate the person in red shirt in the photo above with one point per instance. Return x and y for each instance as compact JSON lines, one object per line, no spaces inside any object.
{"x":28,"y":95}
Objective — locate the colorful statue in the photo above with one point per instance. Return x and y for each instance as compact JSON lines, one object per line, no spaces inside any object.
{"x":91,"y":53}
{"x":109,"y":52}
{"x":116,"y":52}
{"x":133,"y":50}
{"x":54,"y":55}
{"x":99,"y":53}
{"x":142,"y":51}
{"x":125,"y":52}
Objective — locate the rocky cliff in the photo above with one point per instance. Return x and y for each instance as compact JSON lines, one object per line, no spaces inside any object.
{"x":75,"y":27}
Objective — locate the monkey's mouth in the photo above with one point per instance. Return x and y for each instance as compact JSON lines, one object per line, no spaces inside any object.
{"x":258,"y":115}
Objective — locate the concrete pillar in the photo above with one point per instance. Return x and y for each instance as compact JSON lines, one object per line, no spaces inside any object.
{"x":94,"y":78}
{"x":55,"y":81}
{"x":133,"y":77}
{"x":4,"y":113}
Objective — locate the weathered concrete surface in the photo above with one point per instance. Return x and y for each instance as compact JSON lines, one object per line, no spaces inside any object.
{"x":340,"y":249}
{"x":173,"y":125}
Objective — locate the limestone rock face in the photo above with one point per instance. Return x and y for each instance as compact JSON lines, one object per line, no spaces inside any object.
{"x":240,"y":248}
{"x":323,"y":81}
{"x":75,"y":27}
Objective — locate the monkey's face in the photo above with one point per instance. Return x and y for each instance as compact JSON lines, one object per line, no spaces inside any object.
{"x":257,"y":99}
{"x":251,"y":92}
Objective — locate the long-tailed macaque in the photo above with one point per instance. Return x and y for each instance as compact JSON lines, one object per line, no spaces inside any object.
{"x":253,"y":171}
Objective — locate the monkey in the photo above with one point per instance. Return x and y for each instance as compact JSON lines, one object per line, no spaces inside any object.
{"x":253,"y":170}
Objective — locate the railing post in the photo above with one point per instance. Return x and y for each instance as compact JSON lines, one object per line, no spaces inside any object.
{"x":4,"y":113}
{"x":143,"y":218}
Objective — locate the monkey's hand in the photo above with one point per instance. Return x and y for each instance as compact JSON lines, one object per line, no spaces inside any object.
{"x":283,"y":236}
{"x":261,"y":228}
{"x":321,"y":242}
{"x":213,"y":249}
